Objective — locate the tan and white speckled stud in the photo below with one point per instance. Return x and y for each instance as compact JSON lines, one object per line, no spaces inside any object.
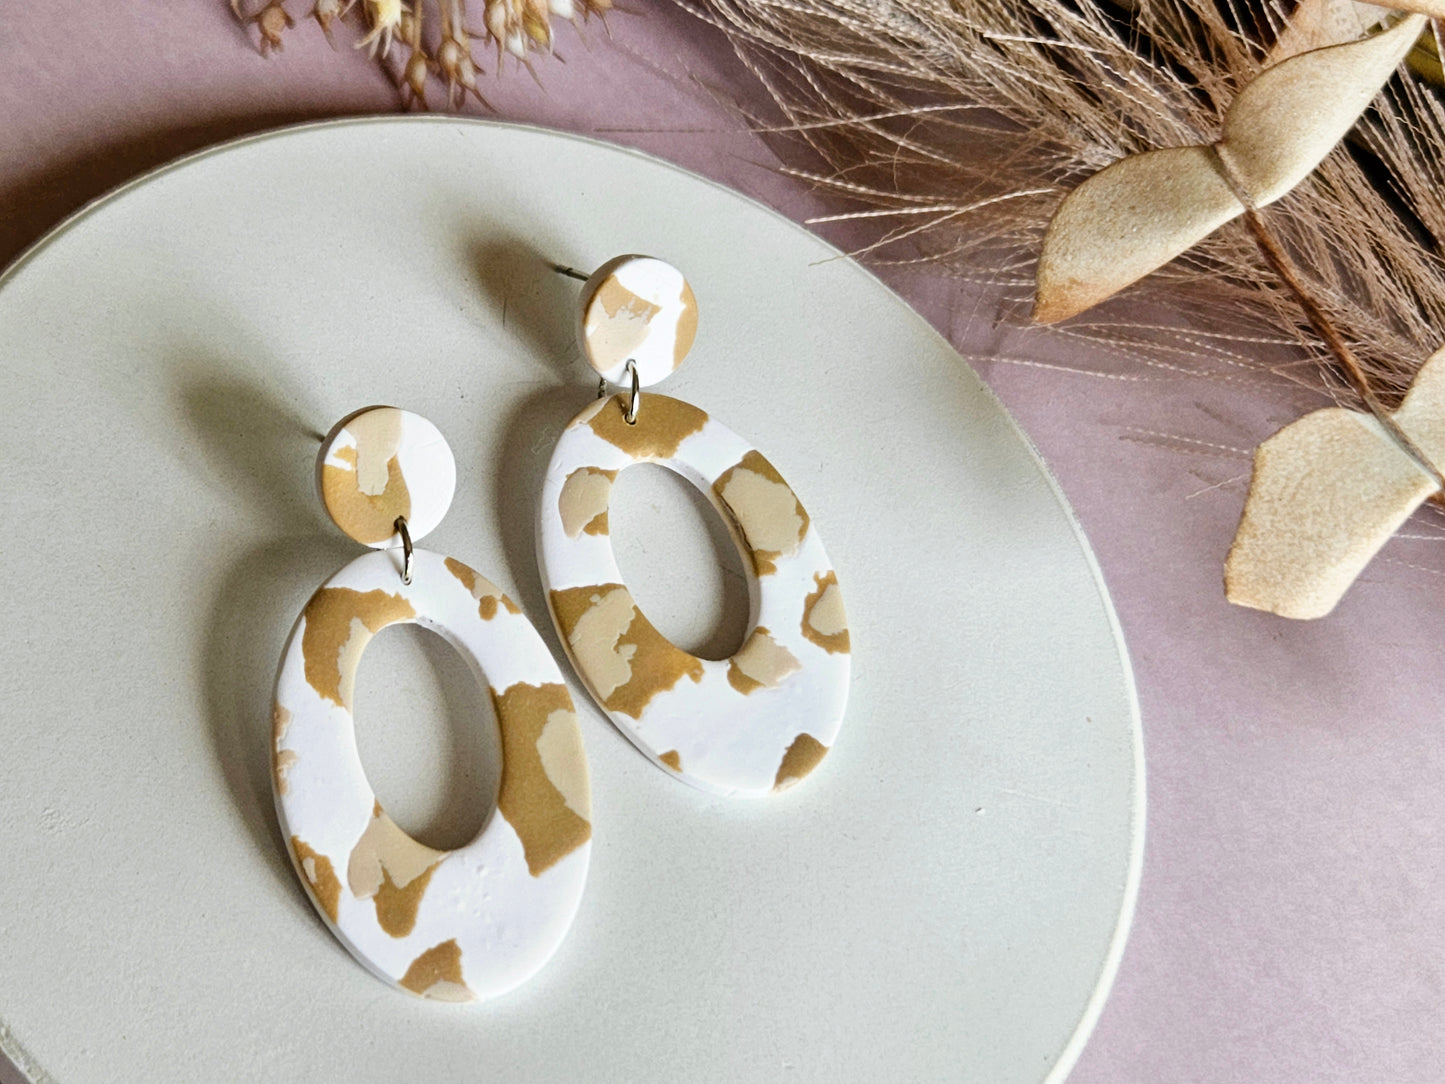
{"x":636,"y":309}
{"x":446,"y":925}
{"x":382,"y":463}
{"x":745,"y":726}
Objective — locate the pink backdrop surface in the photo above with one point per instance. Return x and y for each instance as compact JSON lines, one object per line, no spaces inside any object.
{"x":1291,"y":924}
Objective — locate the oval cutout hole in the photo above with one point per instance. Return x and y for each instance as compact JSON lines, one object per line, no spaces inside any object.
{"x":428,"y":736}
{"x":679,"y":561}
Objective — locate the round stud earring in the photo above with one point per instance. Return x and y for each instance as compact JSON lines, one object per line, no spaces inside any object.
{"x":447,"y":925}
{"x":748,"y":725}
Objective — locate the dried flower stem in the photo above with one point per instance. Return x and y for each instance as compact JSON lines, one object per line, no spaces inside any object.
{"x":1319,"y":319}
{"x":1283,"y":266}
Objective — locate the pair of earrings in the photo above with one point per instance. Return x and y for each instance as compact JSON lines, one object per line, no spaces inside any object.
{"x":479,"y":920}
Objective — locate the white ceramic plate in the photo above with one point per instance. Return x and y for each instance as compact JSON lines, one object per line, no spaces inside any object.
{"x":945,"y":898}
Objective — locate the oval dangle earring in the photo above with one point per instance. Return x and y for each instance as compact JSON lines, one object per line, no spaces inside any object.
{"x":748,"y":725}
{"x":447,"y":925}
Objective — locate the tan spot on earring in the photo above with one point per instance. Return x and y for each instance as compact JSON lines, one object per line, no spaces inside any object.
{"x":824,"y":621}
{"x":437,"y":974}
{"x":339,"y":623}
{"x":378,"y":436}
{"x":662,"y":425}
{"x":283,"y":762}
{"x":544,"y":794}
{"x":762,"y":663}
{"x":397,"y":905}
{"x":766,"y":510}
{"x":564,"y":761}
{"x":802,"y":757}
{"x":672,"y":759}
{"x":617,"y":300}
{"x":657,"y":665}
{"x":320,"y":876}
{"x":616,"y":323}
{"x":463,"y":573}
{"x":594,"y":621}
{"x":626,"y":660}
{"x":391,"y":869}
{"x":487,"y":594}
{"x":281,"y":759}
{"x":366,"y":495}
{"x":686,"y":325}
{"x":584,"y":499}
{"x":587,"y":413}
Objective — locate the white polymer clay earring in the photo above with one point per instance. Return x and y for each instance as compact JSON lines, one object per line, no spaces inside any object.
{"x":748,"y":725}
{"x":448,"y":925}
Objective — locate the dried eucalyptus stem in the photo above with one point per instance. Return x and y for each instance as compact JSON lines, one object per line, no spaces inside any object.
{"x":957,"y":128}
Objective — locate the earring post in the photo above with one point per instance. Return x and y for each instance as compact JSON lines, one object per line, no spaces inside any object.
{"x":570,"y":272}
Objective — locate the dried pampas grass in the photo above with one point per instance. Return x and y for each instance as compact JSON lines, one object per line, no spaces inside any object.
{"x":957,"y":127}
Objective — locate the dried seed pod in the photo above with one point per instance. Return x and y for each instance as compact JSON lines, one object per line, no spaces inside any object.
{"x":326,"y":12}
{"x":270,"y":22}
{"x":600,"y":8}
{"x":515,"y":24}
{"x":418,"y":67}
{"x":385,"y":17}
{"x":454,"y":57}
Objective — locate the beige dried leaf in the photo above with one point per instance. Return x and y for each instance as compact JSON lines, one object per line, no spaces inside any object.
{"x":1141,"y":212}
{"x":1327,"y":492}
